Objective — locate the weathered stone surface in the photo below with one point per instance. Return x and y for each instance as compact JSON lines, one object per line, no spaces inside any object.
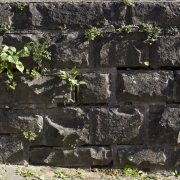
{"x":82,"y":156}
{"x":174,"y":157}
{"x":18,"y":41}
{"x":145,"y":86}
{"x":13,"y":150}
{"x":164,"y":124}
{"x":120,"y":50}
{"x":67,"y":126}
{"x":177,"y":87}
{"x":6,"y":14}
{"x":158,"y":14}
{"x":4,"y":94}
{"x":140,"y":156}
{"x":44,"y":89}
{"x":97,"y":89}
{"x":69,"y":50}
{"x":123,"y":125}
{"x":16,"y":121}
{"x":165,"y":52}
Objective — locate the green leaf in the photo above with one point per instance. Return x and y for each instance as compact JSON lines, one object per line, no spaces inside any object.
{"x":13,"y":59}
{"x":4,"y":56}
{"x":20,"y":66}
{"x":72,"y":70}
{"x":81,"y":82}
{"x":75,"y":74}
{"x":9,"y":74}
{"x":146,"y":63}
{"x":63,"y":72}
{"x":62,"y":76}
{"x":5,"y":48}
{"x":13,"y":49}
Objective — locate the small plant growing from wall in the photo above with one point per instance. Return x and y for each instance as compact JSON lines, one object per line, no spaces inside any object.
{"x":29,"y":135}
{"x":64,"y":29}
{"x":172,"y":31}
{"x":70,"y":76}
{"x":92,"y":33}
{"x":126,"y":29}
{"x":128,"y":2}
{"x":20,"y":5}
{"x":151,"y":32}
{"x":5,"y":27}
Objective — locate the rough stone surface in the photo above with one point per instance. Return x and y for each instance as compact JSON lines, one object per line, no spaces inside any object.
{"x":123,"y":125}
{"x":4,"y":94}
{"x":6,"y":14}
{"x":69,"y":50}
{"x":96,"y":90}
{"x":164,"y":124}
{"x":158,"y":14}
{"x":120,"y":50}
{"x":83,"y":156}
{"x":43,"y":90}
{"x":177,"y":87}
{"x":140,"y":156}
{"x":165,"y":52}
{"x":67,"y":126}
{"x":13,"y":150}
{"x":145,"y":86}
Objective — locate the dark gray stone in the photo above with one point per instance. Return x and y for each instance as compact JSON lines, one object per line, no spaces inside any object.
{"x":120,"y":50}
{"x":17,"y":121}
{"x":145,"y":86}
{"x":97,"y":89}
{"x":4,"y":94}
{"x":67,"y":126}
{"x":43,"y":90}
{"x":69,"y":50}
{"x":123,"y":125}
{"x":177,"y":87}
{"x":13,"y":150}
{"x":174,"y":157}
{"x":165,"y":52}
{"x":82,"y":156}
{"x":158,"y":14}
{"x":140,"y":156}
{"x":164,"y":124}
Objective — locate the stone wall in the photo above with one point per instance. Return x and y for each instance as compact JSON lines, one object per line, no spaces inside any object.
{"x":128,"y":113}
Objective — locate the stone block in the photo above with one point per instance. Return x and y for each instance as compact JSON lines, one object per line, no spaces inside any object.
{"x":17,"y":121}
{"x":120,"y":50}
{"x":123,"y":125}
{"x":174,"y":158}
{"x":6,"y":13}
{"x":165,"y":52}
{"x":147,"y":86}
{"x":4,"y":94}
{"x":13,"y":150}
{"x":69,"y":50}
{"x":43,"y":90}
{"x":82,"y":156}
{"x":177,"y":86}
{"x":67,"y":126}
{"x":142,"y":156}
{"x":164,"y":123}
{"x":96,"y":90}
{"x":159,"y":14}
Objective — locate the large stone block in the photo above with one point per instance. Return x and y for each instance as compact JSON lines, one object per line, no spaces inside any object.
{"x":96,"y":90}
{"x":17,"y":121}
{"x":43,"y":90}
{"x":67,"y":126}
{"x":69,"y":50}
{"x":145,"y":86}
{"x":120,"y":50}
{"x":177,"y":87}
{"x":165,"y":52}
{"x":82,"y":156}
{"x":123,"y":125}
{"x":6,"y":14}
{"x":158,"y":14}
{"x":141,"y":156}
{"x":13,"y":150}
{"x":164,"y":124}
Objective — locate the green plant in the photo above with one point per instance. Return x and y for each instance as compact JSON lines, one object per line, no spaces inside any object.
{"x":146,"y":63}
{"x":81,"y":175}
{"x":151,"y":32}
{"x":175,"y":173}
{"x":64,"y":29}
{"x":128,"y":170}
{"x":42,"y":177}
{"x":29,"y":135}
{"x":20,"y":5}
{"x":92,"y":33}
{"x":128,"y":2}
{"x":4,"y":177}
{"x":5,"y":27}
{"x":172,"y":31}
{"x":62,"y":175}
{"x":27,"y":173}
{"x":71,"y":77}
{"x":126,"y":29}
{"x":10,"y":58}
